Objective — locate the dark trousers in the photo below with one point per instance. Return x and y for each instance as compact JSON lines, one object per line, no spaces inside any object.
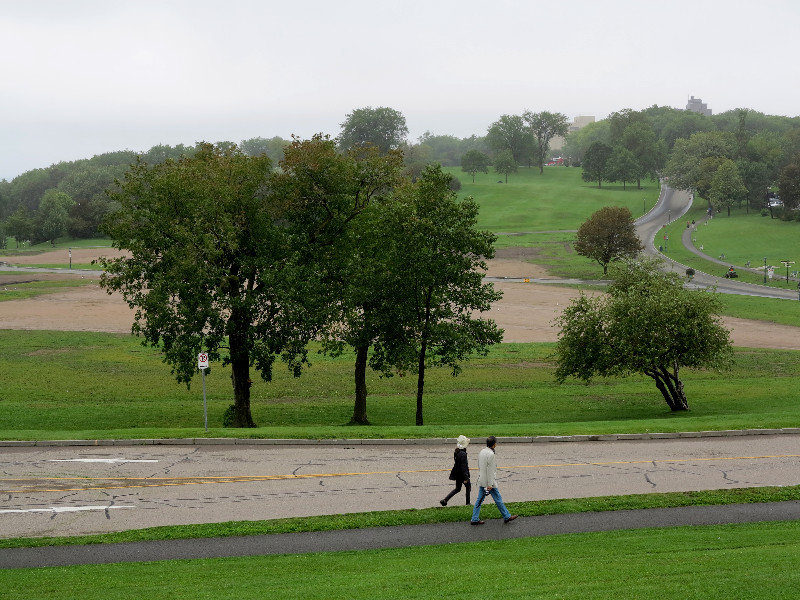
{"x":467,"y":485}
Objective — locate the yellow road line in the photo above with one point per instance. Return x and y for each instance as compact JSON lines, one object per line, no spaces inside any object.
{"x":203,"y":480}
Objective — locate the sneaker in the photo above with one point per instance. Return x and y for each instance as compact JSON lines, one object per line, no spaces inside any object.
{"x":442,"y":502}
{"x":509,"y":519}
{"x":477,"y":522}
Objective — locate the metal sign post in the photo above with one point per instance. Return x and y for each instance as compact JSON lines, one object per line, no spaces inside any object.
{"x":202,"y":364}
{"x":787,"y":263}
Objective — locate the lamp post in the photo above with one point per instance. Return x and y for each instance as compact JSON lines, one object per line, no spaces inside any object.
{"x":765,"y":270}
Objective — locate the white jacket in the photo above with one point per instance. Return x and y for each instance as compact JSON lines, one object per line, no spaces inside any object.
{"x":487,"y":468}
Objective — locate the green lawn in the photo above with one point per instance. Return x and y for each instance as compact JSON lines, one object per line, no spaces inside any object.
{"x":92,"y":385}
{"x":557,"y":200}
{"x":754,"y":561}
{"x":741,"y":238}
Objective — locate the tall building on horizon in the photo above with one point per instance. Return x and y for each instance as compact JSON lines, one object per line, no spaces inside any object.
{"x":698,"y":106}
{"x":557,"y":143}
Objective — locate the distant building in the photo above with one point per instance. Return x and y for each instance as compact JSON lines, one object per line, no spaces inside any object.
{"x":557,"y":143}
{"x":698,"y":106}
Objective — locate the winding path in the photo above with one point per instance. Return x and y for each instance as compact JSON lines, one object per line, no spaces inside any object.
{"x":672,"y":205}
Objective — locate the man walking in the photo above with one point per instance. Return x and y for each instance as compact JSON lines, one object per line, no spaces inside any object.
{"x":487,"y":483}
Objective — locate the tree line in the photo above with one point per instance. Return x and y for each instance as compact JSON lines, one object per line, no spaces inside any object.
{"x":733,"y":158}
{"x":737,"y":158}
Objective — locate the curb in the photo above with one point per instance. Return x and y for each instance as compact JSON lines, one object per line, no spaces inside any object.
{"x":611,"y":437}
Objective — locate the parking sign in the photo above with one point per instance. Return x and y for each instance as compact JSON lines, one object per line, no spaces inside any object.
{"x":202,"y":360}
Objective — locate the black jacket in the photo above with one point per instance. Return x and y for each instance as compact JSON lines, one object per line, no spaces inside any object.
{"x":460,"y":470}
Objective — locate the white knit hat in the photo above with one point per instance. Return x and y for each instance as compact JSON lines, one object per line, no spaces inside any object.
{"x":462,"y":441}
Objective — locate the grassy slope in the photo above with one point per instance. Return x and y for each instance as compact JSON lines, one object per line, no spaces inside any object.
{"x":557,"y":200}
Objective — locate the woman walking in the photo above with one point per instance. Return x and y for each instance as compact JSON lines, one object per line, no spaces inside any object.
{"x":460,"y":471}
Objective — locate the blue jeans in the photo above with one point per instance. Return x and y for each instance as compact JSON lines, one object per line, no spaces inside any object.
{"x":498,"y":500}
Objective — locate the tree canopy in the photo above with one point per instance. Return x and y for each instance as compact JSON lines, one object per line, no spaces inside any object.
{"x":789,"y":184}
{"x":509,"y":132}
{"x":544,"y":126}
{"x":207,"y":265}
{"x":649,"y":324}
{"x":595,"y":163}
{"x":504,"y":163}
{"x":438,"y":256}
{"x":474,"y":162}
{"x":382,"y":127}
{"x":608,"y":235}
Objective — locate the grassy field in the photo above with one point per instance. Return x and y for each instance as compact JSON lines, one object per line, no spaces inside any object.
{"x":557,"y":200}
{"x":92,"y":386}
{"x":30,"y":289}
{"x":755,"y":561}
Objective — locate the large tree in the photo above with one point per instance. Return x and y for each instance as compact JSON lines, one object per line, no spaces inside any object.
{"x":727,"y":187}
{"x":623,"y":166}
{"x":649,"y":324}
{"x":789,"y":184}
{"x":509,"y":132}
{"x":52,"y":217}
{"x":595,"y":163}
{"x":475,"y":161}
{"x":20,"y":225}
{"x":331,"y":212}
{"x":695,"y":160}
{"x":650,"y":153}
{"x":363,"y":310}
{"x":382,"y":127}
{"x":206,"y":265}
{"x":544,"y":126}
{"x":607,"y":236}
{"x":504,"y":163}
{"x":439,"y":256}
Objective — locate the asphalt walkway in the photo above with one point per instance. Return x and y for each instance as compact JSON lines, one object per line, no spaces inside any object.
{"x":395,"y":537}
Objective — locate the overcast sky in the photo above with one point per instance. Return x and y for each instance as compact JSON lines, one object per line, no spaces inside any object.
{"x":83,"y":77}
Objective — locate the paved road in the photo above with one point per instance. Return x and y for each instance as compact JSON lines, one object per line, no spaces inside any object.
{"x":82,"y":490}
{"x":671,"y":206}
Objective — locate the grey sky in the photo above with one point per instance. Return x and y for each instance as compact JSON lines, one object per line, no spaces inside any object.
{"x":82,"y":77}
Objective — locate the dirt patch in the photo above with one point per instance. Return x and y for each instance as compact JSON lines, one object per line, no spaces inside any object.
{"x":526,"y":312}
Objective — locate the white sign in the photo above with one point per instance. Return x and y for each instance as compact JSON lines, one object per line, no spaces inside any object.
{"x":202,"y":360}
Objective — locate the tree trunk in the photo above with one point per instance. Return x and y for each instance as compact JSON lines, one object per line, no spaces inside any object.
{"x":670,"y":387}
{"x":360,"y":407}
{"x":240,"y":368}
{"x":421,"y":380}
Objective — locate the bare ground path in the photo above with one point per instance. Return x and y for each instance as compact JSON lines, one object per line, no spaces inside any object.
{"x":526,"y":311}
